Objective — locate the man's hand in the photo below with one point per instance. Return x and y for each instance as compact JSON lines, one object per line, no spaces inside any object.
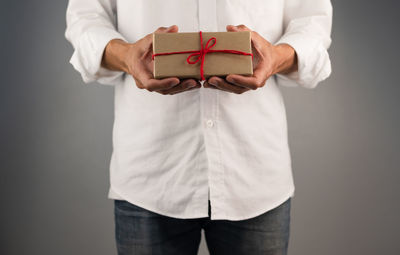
{"x":268,"y":60}
{"x":135,"y":59}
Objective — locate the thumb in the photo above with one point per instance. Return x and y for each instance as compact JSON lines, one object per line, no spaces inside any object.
{"x":232,"y":28}
{"x":170,"y":29}
{"x":149,"y":38}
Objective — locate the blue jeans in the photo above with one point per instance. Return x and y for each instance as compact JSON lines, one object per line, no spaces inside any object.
{"x":141,"y":232}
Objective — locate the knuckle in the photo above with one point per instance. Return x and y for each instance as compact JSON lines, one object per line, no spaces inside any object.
{"x":183,"y":84}
{"x":139,"y":85}
{"x":149,"y":38}
{"x":258,"y":84}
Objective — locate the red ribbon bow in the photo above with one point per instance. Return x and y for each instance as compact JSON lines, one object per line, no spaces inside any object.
{"x":202,"y":53}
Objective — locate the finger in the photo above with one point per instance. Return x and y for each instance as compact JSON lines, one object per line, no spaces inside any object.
{"x":170,"y":29}
{"x":208,"y":85}
{"x":149,"y":37}
{"x":195,"y":87}
{"x":182,"y":86}
{"x":146,"y":78}
{"x":151,"y":84}
{"x":224,"y":85}
{"x":255,"y":37}
{"x":138,"y":83}
{"x":251,"y":82}
{"x":217,"y":88}
{"x":241,"y":27}
{"x":257,"y":40}
{"x":192,"y":88}
{"x":213,"y":82}
{"x":158,"y":84}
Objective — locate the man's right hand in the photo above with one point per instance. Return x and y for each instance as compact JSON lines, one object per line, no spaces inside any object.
{"x":135,"y":59}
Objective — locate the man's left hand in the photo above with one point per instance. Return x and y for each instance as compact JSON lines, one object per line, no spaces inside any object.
{"x":268,"y":60}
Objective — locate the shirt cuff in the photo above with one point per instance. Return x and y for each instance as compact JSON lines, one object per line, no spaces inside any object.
{"x":88,"y":54}
{"x":312,"y":59}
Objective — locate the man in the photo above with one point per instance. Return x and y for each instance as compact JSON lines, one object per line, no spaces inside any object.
{"x":190,"y":155}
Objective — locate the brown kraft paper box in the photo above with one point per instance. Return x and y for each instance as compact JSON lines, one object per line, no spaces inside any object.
{"x":215,"y":63}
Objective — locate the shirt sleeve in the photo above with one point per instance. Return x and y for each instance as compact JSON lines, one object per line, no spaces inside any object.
{"x":91,"y":24}
{"x":307,"y":28}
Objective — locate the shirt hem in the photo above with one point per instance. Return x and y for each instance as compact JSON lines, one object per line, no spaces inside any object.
{"x":258,"y":213}
{"x":150,"y":208}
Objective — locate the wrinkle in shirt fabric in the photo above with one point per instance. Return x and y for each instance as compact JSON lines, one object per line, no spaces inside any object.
{"x":171,"y":154}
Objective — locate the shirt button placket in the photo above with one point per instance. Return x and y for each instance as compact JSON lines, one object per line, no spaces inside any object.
{"x":208,"y":22}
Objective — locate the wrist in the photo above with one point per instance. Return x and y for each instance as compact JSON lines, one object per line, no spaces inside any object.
{"x":285,"y":60}
{"x":114,"y":56}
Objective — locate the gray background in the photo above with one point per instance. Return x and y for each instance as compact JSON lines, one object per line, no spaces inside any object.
{"x":56,"y":140}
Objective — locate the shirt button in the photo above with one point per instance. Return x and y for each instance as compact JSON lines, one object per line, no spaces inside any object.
{"x":210,"y":123}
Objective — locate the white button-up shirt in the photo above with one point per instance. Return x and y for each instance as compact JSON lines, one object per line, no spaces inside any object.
{"x":173,"y":153}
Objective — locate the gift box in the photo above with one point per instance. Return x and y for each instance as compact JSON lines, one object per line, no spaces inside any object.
{"x":202,"y":54}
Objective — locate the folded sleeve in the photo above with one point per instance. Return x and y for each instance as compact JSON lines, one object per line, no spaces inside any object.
{"x":91,"y":24}
{"x":307,"y":28}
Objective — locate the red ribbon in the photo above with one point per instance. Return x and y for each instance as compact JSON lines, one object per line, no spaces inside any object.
{"x":202,"y":53}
